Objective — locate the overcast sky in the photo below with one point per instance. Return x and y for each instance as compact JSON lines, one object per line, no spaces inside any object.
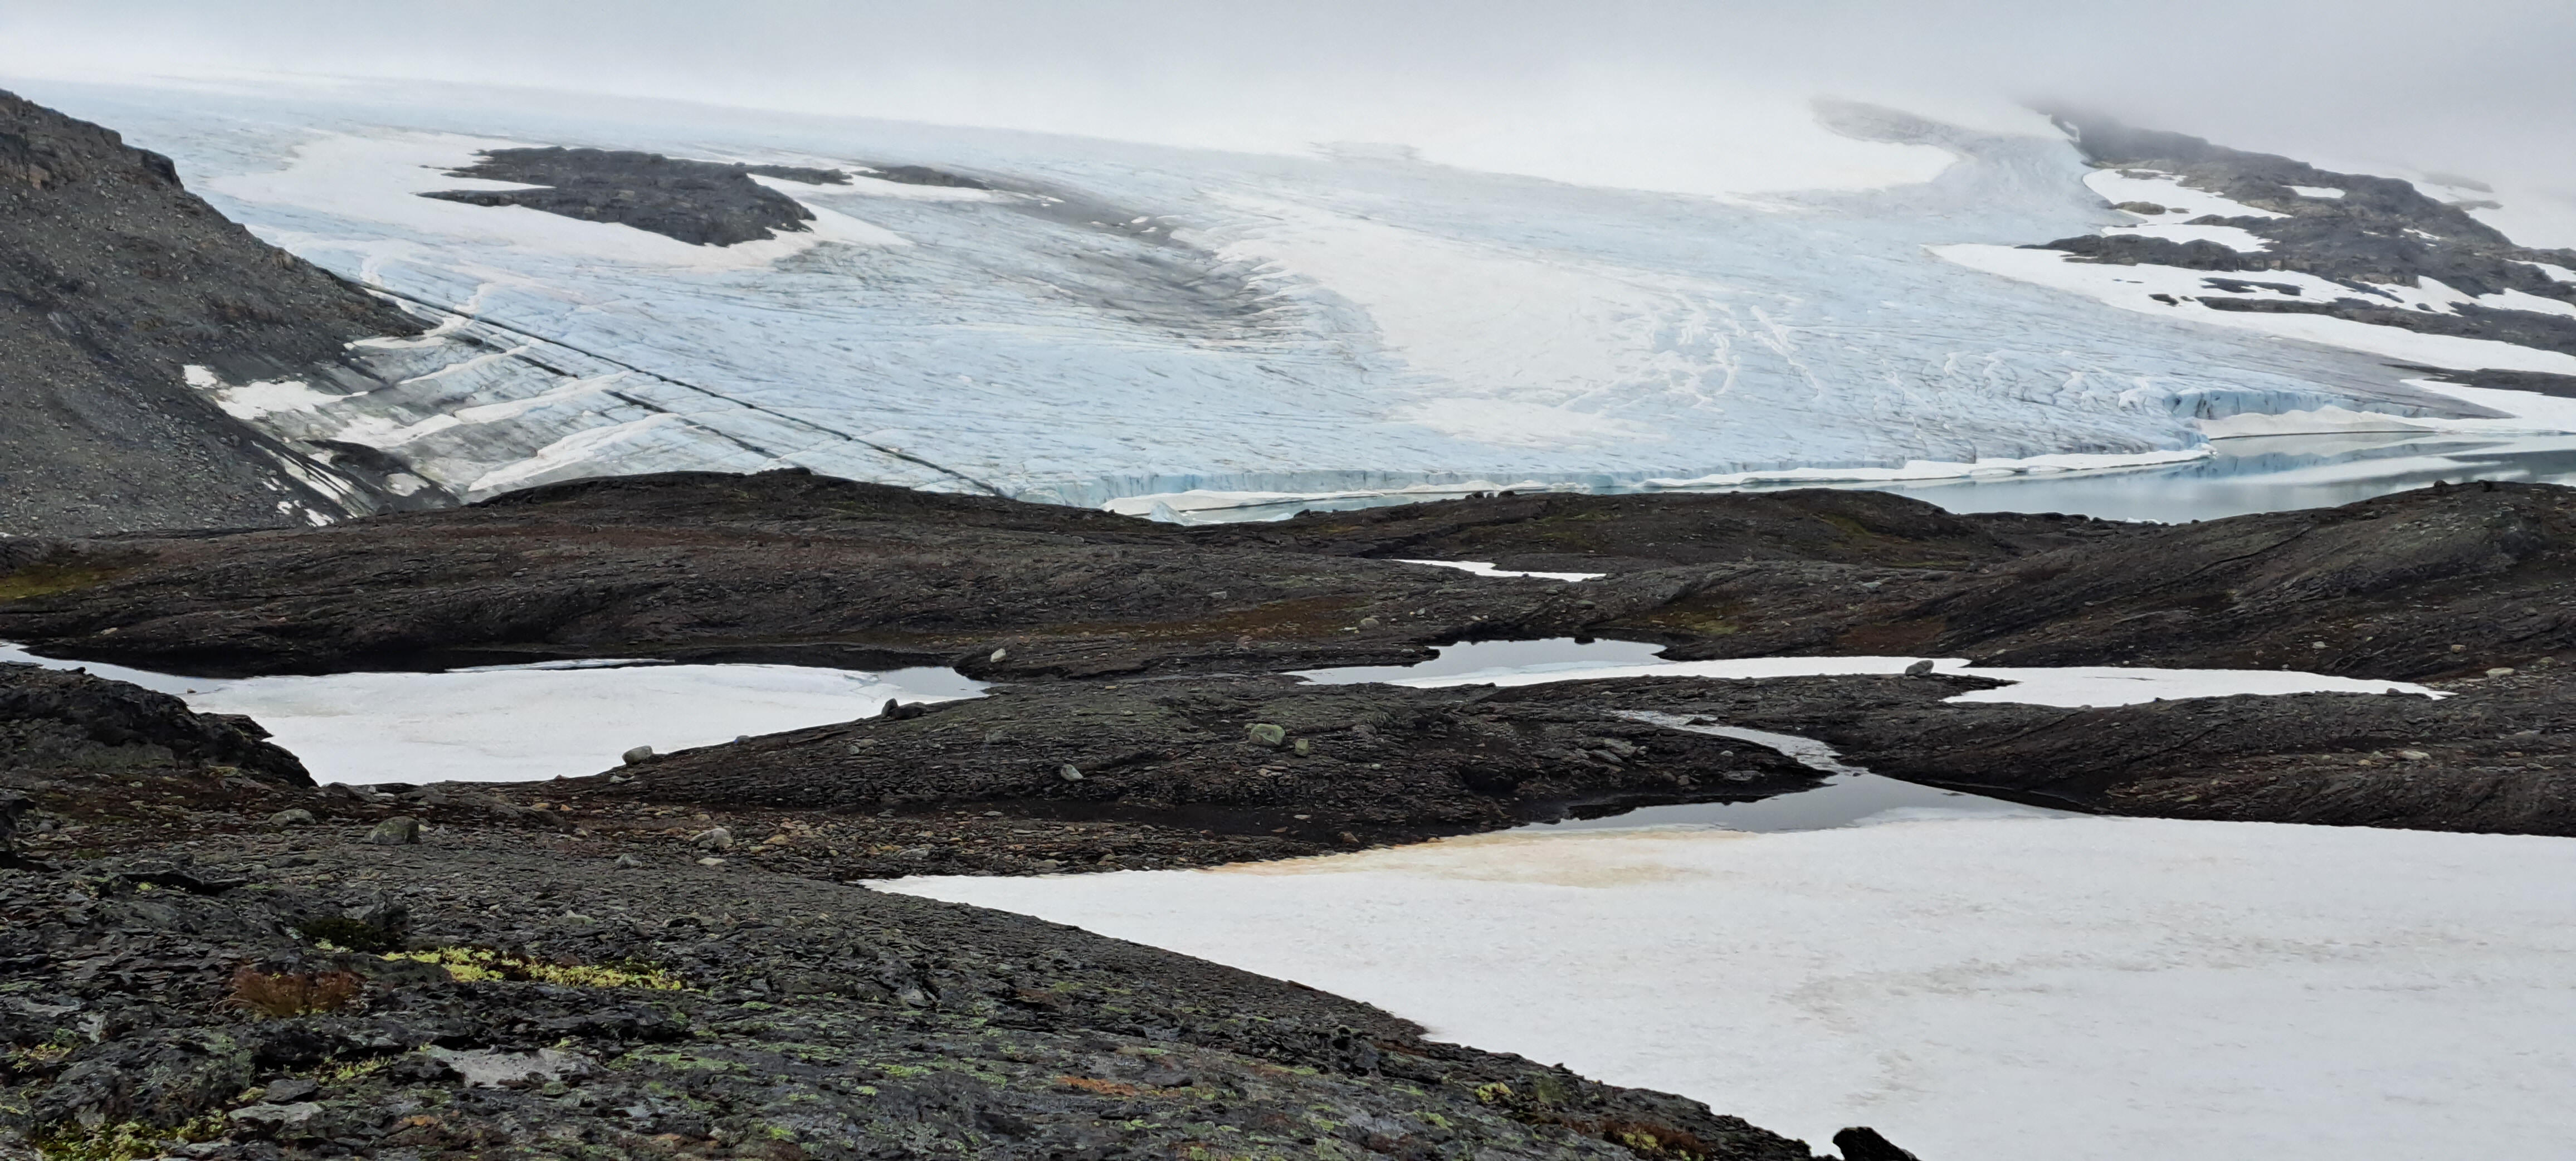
{"x":2483,"y":87}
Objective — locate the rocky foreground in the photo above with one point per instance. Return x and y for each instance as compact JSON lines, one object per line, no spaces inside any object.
{"x":672,"y":957}
{"x":208,"y":957}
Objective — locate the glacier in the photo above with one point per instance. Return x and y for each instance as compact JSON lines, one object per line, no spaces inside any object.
{"x":1115,"y":321}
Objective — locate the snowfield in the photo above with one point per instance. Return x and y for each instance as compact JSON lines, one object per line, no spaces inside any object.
{"x":2003,"y":989}
{"x":528,"y":723}
{"x":1128,"y":321}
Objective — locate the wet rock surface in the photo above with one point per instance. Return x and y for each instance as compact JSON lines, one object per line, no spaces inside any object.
{"x":703,"y":203}
{"x":188,"y":985}
{"x":113,"y":279}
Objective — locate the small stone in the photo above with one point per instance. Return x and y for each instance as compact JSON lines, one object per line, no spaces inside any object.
{"x":1864,"y":1144}
{"x":269,"y":1116}
{"x":1919,"y":669}
{"x":999,"y":656}
{"x":1871,"y":586}
{"x":1264,"y":733}
{"x":710,"y":861}
{"x":286,"y":818}
{"x":1370,"y":622}
{"x":2501,"y":671}
{"x":2316,"y":644}
{"x":713,"y":839}
{"x":395,"y":831}
{"x":2459,"y":648}
{"x":2413,"y":755}
{"x":290,"y":1090}
{"x":636,"y":755}
{"x":628,"y":862}
{"x":1068,"y":773}
{"x":1304,"y":747}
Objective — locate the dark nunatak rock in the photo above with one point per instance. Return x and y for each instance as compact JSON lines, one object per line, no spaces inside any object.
{"x":924,"y":175}
{"x":1382,"y":763}
{"x":704,"y":203}
{"x":54,"y":720}
{"x":113,"y":279}
{"x":2380,"y":232}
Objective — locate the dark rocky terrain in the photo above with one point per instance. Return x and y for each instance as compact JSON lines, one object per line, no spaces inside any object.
{"x":2497,"y":756}
{"x":55,"y":719}
{"x":113,"y":278}
{"x":791,"y":566}
{"x":1323,"y":766}
{"x":2381,"y":232}
{"x":794,"y":567}
{"x":208,"y":963}
{"x":1119,"y":637}
{"x":703,"y":203}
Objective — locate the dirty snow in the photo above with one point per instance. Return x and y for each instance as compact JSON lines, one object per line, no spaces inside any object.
{"x":2011,"y":990}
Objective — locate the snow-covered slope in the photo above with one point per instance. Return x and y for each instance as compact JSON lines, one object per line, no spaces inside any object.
{"x":1115,"y":320}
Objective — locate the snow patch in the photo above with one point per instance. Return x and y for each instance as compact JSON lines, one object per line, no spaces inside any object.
{"x":2316,"y":191}
{"x":2167,"y":190}
{"x":525,"y":723}
{"x":2174,"y":988}
{"x":2129,"y":288}
{"x":257,"y":399}
{"x":2070,"y":685}
{"x":1486,"y":568}
{"x":2525,"y":300}
{"x":2530,"y":410}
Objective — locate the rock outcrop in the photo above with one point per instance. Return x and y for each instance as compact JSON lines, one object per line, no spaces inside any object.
{"x":114,"y":279}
